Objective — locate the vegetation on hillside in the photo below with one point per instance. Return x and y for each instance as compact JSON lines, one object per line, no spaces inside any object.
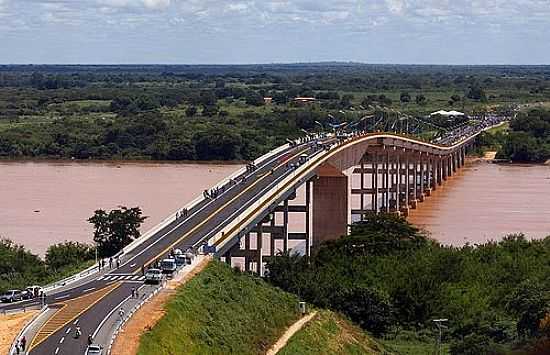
{"x":222,"y":311}
{"x":20,"y":268}
{"x":392,"y":281}
{"x":218,"y":112}
{"x":529,"y":138}
{"x":331,"y":334}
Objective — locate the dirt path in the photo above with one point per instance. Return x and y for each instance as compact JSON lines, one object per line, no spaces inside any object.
{"x":289,"y":333}
{"x":127,"y":341}
{"x":10,"y":326}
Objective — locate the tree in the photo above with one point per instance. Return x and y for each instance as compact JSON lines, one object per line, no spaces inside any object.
{"x":405,"y":97}
{"x":116,"y":229}
{"x":254,"y":99}
{"x":476,"y":93}
{"x":68,"y":254}
{"x":421,"y":100}
{"x":190,"y":111}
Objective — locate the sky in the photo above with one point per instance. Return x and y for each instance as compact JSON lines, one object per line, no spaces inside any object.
{"x":274,"y":31}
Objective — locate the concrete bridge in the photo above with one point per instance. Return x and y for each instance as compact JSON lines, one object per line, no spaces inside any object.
{"x":248,"y":219}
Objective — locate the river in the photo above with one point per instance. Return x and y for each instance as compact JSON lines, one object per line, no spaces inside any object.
{"x":42,"y":203}
{"x":486,"y":201}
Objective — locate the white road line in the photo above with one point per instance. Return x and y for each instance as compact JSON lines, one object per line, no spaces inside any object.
{"x":136,"y":277}
{"x":76,"y":321}
{"x":118,"y":306}
{"x":88,"y":289}
{"x":62,"y":340}
{"x":68,"y":330}
{"x":134,"y":264}
{"x":56,"y":350}
{"x":158,"y":239}
{"x":61,"y":297}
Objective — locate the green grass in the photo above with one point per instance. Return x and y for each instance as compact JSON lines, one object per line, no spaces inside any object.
{"x":222,"y":311}
{"x":502,"y":128}
{"x":329,"y":333}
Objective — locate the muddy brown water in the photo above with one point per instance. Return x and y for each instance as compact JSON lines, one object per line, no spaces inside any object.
{"x":42,"y":203}
{"x":486,"y":202}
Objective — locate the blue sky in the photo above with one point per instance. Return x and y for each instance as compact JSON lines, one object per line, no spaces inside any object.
{"x":269,"y":31}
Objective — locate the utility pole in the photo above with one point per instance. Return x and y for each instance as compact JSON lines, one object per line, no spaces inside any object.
{"x":440,"y":326}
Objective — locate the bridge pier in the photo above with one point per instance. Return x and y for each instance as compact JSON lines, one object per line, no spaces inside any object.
{"x":330,"y":204}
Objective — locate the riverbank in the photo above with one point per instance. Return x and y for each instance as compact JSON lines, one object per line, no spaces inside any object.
{"x":45,"y":202}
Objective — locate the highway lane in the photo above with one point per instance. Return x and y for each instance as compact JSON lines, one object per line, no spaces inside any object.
{"x":211,"y":218}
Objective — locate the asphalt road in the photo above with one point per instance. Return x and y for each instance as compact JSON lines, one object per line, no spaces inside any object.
{"x":208,"y":218}
{"x":204,"y":220}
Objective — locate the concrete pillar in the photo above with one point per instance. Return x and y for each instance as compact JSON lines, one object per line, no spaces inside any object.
{"x":308,"y":212}
{"x":375,"y":181}
{"x":260,"y":257}
{"x":407,"y":179}
{"x":330,"y":204}
{"x":387,"y":183}
{"x":247,"y":248}
{"x":398,"y":183}
{"x":285,"y":227}
{"x":362,"y":188}
{"x":415,"y":182}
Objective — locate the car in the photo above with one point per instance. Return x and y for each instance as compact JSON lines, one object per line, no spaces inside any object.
{"x":11,"y":296}
{"x":153,"y":276}
{"x":94,"y":349}
{"x":168,"y":266}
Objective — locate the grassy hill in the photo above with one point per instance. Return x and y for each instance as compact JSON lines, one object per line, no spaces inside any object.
{"x":331,"y":334}
{"x":222,"y":311}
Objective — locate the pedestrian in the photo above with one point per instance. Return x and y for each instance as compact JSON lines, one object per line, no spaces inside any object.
{"x":17,"y":347}
{"x":133,"y":292}
{"x":90,"y":339}
{"x":117,"y":262}
{"x":143,"y":270}
{"x":121,"y":314}
{"x":23,"y":343}
{"x":111,"y":262}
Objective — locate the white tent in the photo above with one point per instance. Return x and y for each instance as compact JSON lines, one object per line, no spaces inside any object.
{"x":447,"y":113}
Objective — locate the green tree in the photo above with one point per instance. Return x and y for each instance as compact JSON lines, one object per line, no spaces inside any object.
{"x":116,"y":229}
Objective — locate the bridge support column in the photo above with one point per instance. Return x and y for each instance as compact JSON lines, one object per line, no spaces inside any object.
{"x":330,"y":204}
{"x":414,"y":201}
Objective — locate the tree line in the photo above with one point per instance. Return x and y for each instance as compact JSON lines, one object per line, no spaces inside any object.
{"x":390,"y":279}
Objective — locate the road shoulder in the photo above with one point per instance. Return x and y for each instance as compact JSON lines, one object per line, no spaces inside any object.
{"x":127,"y":340}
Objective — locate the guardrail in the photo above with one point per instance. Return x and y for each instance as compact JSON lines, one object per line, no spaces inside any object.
{"x":253,"y":211}
{"x":165,"y":222}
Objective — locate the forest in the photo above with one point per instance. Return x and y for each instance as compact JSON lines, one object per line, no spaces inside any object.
{"x":230,"y":112}
{"x":393,"y":281}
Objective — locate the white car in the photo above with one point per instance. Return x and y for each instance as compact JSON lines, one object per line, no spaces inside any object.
{"x":94,"y":349}
{"x":153,"y":276}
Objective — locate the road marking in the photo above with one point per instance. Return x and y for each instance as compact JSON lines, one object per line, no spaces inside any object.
{"x":275,"y":158}
{"x":132,"y":265}
{"x":211,"y":215}
{"x":62,"y":340}
{"x":88,"y":289}
{"x":76,"y":321}
{"x":118,"y":306}
{"x":68,"y":330}
{"x":70,"y":311}
{"x":62,"y":297}
{"x":56,"y":350}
